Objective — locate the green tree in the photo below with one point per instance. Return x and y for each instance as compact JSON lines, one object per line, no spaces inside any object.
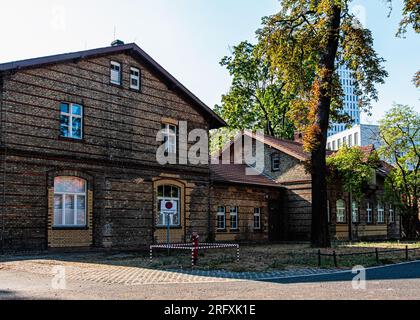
{"x":400,"y":134}
{"x":256,"y":99}
{"x":411,"y":16}
{"x":352,"y":168}
{"x":304,"y":43}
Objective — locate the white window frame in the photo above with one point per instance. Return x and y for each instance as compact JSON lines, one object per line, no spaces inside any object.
{"x":233,"y":213}
{"x":257,"y":218}
{"x":169,"y":135}
{"x":381,"y":212}
{"x":354,"y":212}
{"x":369,"y":213}
{"x":391,"y":213}
{"x":134,"y":77}
{"x":341,"y":212}
{"x":72,"y":116}
{"x":275,"y":157}
{"x":114,"y":72}
{"x":75,"y":202}
{"x":164,"y":215}
{"x":221,"y":218}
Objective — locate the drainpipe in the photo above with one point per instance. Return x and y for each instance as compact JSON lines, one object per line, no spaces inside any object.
{"x":350,"y":217}
{"x":3,"y":118}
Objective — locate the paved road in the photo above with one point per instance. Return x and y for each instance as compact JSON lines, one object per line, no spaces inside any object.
{"x":397,"y":272}
{"x":393,"y":282}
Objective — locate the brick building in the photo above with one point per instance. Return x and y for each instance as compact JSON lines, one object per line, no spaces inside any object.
{"x":79,"y":169}
{"x":78,"y":152}
{"x":284,"y":164}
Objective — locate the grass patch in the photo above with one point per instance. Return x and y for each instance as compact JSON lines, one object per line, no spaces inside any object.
{"x":263,"y":258}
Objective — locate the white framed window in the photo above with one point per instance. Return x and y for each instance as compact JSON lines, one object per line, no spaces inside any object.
{"x":350,"y":142}
{"x":134,"y":78}
{"x":233,"y":213}
{"x":354,"y":212}
{"x":275,"y":162}
{"x":69,"y":202}
{"x":333,"y":145}
{"x":221,"y":218}
{"x":369,"y":215}
{"x":257,"y":218}
{"x":168,"y":202}
{"x":391,"y":214}
{"x":341,"y":211}
{"x":380,"y":211}
{"x":356,"y":138}
{"x":71,"y":120}
{"x":115,"y":72}
{"x":169,"y":137}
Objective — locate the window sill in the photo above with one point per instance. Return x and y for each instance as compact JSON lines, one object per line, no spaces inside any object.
{"x":221,"y":230}
{"x":170,"y":227}
{"x":118,"y":85}
{"x":234,"y":230}
{"x":71,"y":139}
{"x":70,"y":228}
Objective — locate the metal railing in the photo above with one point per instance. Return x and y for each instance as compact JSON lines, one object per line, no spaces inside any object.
{"x":376,"y":253}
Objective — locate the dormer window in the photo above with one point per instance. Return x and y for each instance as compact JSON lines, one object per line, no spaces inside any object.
{"x":275,"y":162}
{"x":134,"y":78}
{"x":115,"y":73}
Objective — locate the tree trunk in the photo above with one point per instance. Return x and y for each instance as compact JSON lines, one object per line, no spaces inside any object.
{"x":320,"y":236}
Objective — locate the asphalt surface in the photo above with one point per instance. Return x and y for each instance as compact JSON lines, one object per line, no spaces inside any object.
{"x":391,"y":283}
{"x":410,"y":270}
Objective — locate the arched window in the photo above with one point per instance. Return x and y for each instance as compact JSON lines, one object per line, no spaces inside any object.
{"x":169,"y":205}
{"x":341,"y":211}
{"x":69,"y":202}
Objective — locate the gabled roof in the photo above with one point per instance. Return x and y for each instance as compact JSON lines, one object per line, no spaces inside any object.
{"x":134,"y":50}
{"x":236,"y":173}
{"x":289,"y":147}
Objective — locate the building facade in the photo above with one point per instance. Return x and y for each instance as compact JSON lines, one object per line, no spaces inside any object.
{"x":360,"y":135}
{"x":350,"y":100}
{"x":78,"y":152}
{"x":370,"y":218}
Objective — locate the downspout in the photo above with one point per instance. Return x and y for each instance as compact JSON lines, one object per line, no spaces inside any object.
{"x":350,"y":217}
{"x":3,"y":118}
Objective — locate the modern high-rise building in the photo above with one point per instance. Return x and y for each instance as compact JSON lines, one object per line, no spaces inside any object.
{"x":350,"y":100}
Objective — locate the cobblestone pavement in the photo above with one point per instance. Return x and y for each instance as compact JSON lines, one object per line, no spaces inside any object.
{"x":140,"y":276}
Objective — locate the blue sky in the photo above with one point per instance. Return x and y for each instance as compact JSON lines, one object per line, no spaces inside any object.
{"x":189,"y":37}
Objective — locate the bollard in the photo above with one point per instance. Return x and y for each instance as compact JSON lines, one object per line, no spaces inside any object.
{"x":319,"y":257}
{"x":151,"y":254}
{"x":377,"y":255}
{"x":406,"y":253}
{"x":335,"y":259}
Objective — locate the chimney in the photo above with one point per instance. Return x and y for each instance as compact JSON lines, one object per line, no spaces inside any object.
{"x":117,"y":43}
{"x":298,"y":137}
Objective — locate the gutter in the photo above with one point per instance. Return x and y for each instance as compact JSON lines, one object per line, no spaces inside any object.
{"x":3,"y":118}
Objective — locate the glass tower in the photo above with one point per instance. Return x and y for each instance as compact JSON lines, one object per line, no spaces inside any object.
{"x":350,"y":103}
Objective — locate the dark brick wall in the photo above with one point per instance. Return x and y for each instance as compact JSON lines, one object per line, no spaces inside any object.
{"x":117,"y":152}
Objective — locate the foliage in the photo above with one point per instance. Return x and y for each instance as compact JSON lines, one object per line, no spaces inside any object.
{"x":256,"y":99}
{"x":352,"y":168}
{"x":220,"y":137}
{"x":400,"y":135}
{"x":304,"y":43}
{"x":300,"y":39}
{"x":411,"y":16}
